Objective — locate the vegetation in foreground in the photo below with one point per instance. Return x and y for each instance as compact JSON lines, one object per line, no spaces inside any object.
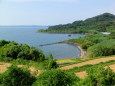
{"x":96,"y":76}
{"x":56,"y":77}
{"x":15,"y":76}
{"x":26,"y":55}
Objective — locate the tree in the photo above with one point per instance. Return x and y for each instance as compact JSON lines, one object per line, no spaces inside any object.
{"x":15,"y":50}
{"x":55,"y":77}
{"x":99,"y":76}
{"x":15,"y":76}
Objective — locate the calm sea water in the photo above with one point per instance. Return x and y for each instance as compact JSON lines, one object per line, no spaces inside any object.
{"x":28,"y":35}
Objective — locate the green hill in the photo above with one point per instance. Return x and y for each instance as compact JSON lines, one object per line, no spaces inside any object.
{"x":100,"y":23}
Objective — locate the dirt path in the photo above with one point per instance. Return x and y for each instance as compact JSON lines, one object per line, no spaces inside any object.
{"x":83,"y":74}
{"x":95,"y":61}
{"x":4,"y":66}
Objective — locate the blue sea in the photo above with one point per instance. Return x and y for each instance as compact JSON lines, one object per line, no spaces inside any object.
{"x":28,"y":35}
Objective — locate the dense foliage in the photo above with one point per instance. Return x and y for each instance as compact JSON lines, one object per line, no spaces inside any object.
{"x":112,"y":35}
{"x":15,"y":76}
{"x":97,"y":45}
{"x":90,"y":40}
{"x":56,"y":78}
{"x":98,"y":76}
{"x":3,"y":42}
{"x":26,"y":55}
{"x":49,"y":63}
{"x":100,"y":23}
{"x":15,"y":50}
{"x":104,"y":48}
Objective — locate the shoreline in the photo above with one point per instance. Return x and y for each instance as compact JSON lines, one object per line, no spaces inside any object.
{"x":63,"y":33}
{"x":83,"y":53}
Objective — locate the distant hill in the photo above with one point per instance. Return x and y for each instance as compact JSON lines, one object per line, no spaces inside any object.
{"x":100,"y":23}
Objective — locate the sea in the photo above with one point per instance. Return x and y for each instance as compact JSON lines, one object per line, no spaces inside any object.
{"x":29,"y":35}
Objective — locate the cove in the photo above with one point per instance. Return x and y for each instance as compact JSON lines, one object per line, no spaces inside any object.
{"x":28,"y":35}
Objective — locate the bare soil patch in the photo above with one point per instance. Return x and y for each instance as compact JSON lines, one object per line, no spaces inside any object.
{"x":4,"y":66}
{"x":81,"y":74}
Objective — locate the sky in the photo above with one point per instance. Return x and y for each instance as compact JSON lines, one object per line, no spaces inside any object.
{"x":51,"y":12}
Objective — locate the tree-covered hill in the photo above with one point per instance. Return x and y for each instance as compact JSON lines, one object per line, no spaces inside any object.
{"x":100,"y":23}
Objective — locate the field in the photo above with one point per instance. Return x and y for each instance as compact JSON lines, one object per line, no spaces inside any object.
{"x":109,"y":61}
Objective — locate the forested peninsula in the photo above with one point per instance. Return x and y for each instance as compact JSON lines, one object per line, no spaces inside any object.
{"x":101,"y":23}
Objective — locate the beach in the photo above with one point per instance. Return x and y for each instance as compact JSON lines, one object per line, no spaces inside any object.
{"x":83,"y":53}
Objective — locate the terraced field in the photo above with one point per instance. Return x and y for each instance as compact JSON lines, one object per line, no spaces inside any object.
{"x":95,"y":61}
{"x":81,"y":74}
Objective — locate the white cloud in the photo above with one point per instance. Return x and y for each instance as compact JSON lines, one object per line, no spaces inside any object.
{"x":42,"y":0}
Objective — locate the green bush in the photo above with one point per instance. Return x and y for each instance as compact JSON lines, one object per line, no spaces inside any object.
{"x":104,"y":48}
{"x":55,"y":78}
{"x":98,"y":76}
{"x":3,"y":42}
{"x":87,"y":44}
{"x":15,"y":50}
{"x":112,"y":35}
{"x":49,"y":63}
{"x":89,"y":40}
{"x":15,"y":76}
{"x":5,"y":59}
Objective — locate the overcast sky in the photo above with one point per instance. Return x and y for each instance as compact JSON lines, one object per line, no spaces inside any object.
{"x":51,"y":12}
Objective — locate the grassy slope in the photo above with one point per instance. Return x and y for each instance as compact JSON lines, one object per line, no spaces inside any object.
{"x":78,"y":68}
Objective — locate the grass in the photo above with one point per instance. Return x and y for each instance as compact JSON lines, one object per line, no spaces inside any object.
{"x":19,"y":61}
{"x":40,"y":65}
{"x":86,"y":67}
{"x":79,"y":60}
{"x":65,"y":61}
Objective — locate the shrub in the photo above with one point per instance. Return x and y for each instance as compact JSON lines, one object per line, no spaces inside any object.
{"x":87,"y":44}
{"x":112,"y":35}
{"x":15,"y":76}
{"x":55,"y":78}
{"x":99,"y":76}
{"x":3,"y":42}
{"x":104,"y":48}
{"x":15,"y":50}
{"x":49,"y":63}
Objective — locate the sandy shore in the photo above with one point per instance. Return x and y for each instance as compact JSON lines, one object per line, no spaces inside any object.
{"x":83,"y":53}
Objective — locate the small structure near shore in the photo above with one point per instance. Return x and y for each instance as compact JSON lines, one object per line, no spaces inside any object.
{"x":106,"y":33}
{"x":69,"y":35}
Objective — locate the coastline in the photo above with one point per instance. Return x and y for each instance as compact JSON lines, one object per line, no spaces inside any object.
{"x":63,"y":33}
{"x":83,"y":53}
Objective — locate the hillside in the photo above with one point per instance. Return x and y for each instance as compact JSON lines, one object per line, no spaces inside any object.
{"x":34,"y":70}
{"x":100,"y":23}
